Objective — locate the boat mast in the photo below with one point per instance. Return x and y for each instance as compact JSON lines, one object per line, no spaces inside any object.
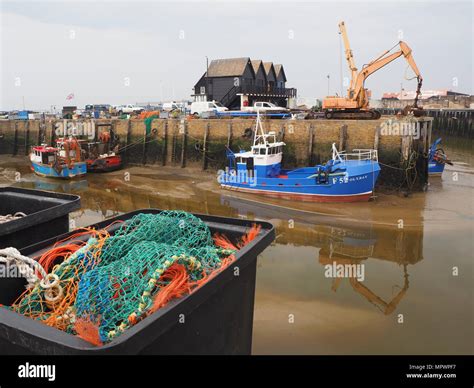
{"x":259,"y":132}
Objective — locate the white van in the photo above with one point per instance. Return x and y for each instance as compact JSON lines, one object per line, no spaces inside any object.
{"x":170,"y":106}
{"x":199,"y":107}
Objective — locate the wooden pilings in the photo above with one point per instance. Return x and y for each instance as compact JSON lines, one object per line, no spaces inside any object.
{"x":342,"y":137}
{"x":202,"y":143}
{"x":310,"y":145}
{"x":15,"y":140}
{"x":204,"y":147}
{"x":229,"y":135}
{"x":129,"y":139}
{"x":27,"y":137}
{"x":377,"y":138}
{"x":164,"y":143}
{"x":183,"y":129}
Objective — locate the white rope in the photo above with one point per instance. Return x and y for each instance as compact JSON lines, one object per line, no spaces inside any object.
{"x":11,"y":217}
{"x":26,"y":266}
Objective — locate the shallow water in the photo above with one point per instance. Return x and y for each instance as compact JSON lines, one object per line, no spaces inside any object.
{"x":408,"y":302}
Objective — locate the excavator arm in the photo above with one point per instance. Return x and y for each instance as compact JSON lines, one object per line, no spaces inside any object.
{"x":383,"y":60}
{"x":356,"y":103}
{"x":348,"y":52}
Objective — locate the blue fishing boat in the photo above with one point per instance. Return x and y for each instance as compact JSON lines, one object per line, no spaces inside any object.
{"x":63,"y":161}
{"x":437,"y":159}
{"x":347,"y":177}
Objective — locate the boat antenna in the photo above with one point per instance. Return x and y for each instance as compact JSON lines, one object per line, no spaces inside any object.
{"x":335,"y":153}
{"x":259,"y":128}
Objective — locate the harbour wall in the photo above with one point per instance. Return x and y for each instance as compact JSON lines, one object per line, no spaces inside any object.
{"x":402,"y":143}
{"x":447,"y":121}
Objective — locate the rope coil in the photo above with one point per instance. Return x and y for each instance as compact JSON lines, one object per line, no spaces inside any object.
{"x":11,"y":217}
{"x":26,"y":266}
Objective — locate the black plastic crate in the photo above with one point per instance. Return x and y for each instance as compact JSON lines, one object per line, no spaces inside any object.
{"x":218,"y":316}
{"x":47,"y":215}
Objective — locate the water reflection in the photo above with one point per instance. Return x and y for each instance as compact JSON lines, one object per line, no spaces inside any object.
{"x":337,"y":243}
{"x":350,"y":248}
{"x":332,"y":315}
{"x":64,"y":186}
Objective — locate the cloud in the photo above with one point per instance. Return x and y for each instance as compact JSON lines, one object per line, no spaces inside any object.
{"x":115,"y":40}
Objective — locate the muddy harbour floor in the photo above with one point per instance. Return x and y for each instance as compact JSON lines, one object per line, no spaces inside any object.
{"x":298,"y":310}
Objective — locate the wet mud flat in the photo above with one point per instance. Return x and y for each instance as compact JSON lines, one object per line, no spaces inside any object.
{"x":409,"y":300}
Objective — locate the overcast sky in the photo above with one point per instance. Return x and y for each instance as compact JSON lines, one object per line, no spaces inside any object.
{"x":128,"y":51}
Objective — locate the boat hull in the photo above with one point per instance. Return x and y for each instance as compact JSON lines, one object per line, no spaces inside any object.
{"x":108,"y":164}
{"x":359,"y":197}
{"x":302,"y":185}
{"x":435,"y":169}
{"x":78,"y":170}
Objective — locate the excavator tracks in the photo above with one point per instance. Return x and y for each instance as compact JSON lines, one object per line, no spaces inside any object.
{"x":352,"y":115}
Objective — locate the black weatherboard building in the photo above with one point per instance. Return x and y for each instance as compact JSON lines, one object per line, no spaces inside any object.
{"x":234,"y":81}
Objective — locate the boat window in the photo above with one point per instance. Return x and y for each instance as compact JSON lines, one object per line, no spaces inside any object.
{"x":262,"y":151}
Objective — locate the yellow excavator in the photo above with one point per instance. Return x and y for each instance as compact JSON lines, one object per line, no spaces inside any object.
{"x":356,"y":104}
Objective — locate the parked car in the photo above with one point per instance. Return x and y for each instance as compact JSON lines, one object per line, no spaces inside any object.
{"x":199,"y":107}
{"x":263,"y":106}
{"x":96,"y":111}
{"x":129,"y":109}
{"x":170,"y":106}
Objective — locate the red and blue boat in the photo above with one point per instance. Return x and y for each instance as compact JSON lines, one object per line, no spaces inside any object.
{"x":103,"y":156}
{"x":63,"y":161}
{"x":437,"y":159}
{"x":347,"y":177}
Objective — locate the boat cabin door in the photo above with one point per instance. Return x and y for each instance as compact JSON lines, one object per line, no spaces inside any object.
{"x":250,"y":167}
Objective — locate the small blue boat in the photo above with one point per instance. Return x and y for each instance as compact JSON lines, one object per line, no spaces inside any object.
{"x":61,"y":162}
{"x":347,"y":177}
{"x":437,"y":159}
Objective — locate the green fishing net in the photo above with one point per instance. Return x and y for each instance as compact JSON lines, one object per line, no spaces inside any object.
{"x":120,"y":275}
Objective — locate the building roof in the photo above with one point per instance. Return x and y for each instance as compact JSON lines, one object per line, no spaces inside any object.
{"x":256,"y":63}
{"x":227,"y":67}
{"x":425,"y":94}
{"x":279,"y":70}
{"x":268,"y":66}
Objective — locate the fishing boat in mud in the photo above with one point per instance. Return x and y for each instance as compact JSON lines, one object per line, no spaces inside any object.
{"x":347,"y":177}
{"x":104,"y":163}
{"x":103,"y":156}
{"x":437,"y":159}
{"x":63,"y":161}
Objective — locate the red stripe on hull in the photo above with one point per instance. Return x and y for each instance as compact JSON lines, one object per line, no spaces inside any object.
{"x":309,"y":197}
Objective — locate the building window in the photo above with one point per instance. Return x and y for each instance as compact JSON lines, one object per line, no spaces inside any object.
{"x":202,"y":90}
